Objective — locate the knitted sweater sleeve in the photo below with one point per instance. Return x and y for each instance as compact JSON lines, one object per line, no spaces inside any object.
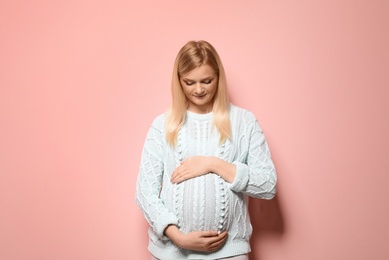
{"x":256,"y":176}
{"x":149,"y":183}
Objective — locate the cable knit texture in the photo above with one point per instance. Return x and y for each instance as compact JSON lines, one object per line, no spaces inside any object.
{"x":206,"y":202}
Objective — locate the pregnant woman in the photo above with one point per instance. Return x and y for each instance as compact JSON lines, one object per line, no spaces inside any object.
{"x":200,"y":162}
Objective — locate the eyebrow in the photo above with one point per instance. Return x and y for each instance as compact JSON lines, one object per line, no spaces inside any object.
{"x":207,"y":78}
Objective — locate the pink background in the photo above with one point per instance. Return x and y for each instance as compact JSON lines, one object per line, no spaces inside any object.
{"x":81,"y":81}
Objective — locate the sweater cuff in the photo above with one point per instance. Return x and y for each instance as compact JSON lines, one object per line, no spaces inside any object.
{"x":169,"y":219}
{"x":241,"y":178}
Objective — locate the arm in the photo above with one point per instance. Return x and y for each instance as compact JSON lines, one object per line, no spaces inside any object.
{"x":256,"y":176}
{"x":149,"y":183}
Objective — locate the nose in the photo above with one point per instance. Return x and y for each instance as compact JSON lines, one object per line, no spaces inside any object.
{"x":199,"y":89}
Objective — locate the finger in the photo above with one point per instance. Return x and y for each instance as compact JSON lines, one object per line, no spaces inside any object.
{"x":183,"y":176}
{"x":179,"y":179}
{"x":222,"y":236}
{"x":213,"y":240}
{"x":218,"y":243}
{"x":208,"y":233}
{"x":212,"y":249}
{"x":175,"y":175}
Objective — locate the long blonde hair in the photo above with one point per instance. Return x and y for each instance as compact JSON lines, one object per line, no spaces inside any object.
{"x":191,"y":56}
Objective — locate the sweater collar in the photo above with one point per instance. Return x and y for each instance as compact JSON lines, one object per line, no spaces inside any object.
{"x":196,"y":116}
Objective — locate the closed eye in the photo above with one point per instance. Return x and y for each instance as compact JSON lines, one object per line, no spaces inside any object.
{"x":189,"y":83}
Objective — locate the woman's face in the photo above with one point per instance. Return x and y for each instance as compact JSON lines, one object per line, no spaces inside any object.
{"x":199,"y":86}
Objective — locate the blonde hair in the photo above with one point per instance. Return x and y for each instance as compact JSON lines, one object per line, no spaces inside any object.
{"x":191,"y":56}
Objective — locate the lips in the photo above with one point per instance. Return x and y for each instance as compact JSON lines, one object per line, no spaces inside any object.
{"x":199,"y":96}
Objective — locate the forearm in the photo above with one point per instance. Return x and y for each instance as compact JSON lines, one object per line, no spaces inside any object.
{"x":154,"y":210}
{"x":224,"y":169}
{"x":258,"y":183}
{"x":173,"y":233}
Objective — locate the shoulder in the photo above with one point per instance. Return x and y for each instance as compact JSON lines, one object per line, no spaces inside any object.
{"x":244,"y":119}
{"x":158,"y":123}
{"x":238,"y":113}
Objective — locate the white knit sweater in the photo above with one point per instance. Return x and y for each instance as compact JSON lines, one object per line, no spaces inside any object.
{"x":206,"y":202}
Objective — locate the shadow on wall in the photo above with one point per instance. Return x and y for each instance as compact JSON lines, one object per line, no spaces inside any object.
{"x":266,"y":218}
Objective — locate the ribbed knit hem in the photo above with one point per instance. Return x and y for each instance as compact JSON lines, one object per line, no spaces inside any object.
{"x":171,"y":252}
{"x":241,"y":178}
{"x":167,"y":219}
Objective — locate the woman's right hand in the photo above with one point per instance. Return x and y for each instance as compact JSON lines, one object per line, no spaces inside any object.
{"x":203,"y":241}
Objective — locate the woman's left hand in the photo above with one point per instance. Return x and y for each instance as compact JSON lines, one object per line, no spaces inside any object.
{"x":191,"y":167}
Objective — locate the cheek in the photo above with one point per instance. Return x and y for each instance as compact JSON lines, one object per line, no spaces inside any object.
{"x":186,"y":92}
{"x":213,"y":88}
